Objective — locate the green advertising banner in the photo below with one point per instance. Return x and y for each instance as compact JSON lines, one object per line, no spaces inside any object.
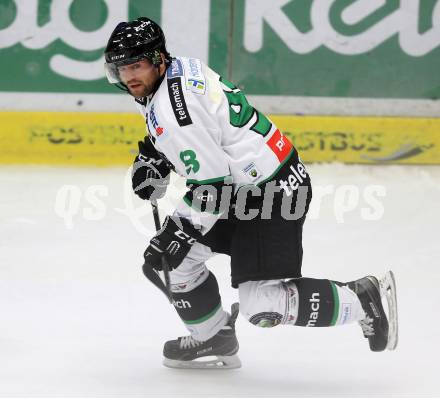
{"x":320,"y":48}
{"x":57,"y":45}
{"x":338,"y":48}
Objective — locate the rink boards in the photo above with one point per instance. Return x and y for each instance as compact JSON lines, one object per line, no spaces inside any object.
{"x":105,"y":139}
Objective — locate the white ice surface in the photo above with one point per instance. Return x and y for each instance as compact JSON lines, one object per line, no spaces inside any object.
{"x":78,"y":318}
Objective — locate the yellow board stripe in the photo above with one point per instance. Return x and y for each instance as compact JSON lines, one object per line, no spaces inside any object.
{"x":62,"y":138}
{"x":364,"y":139}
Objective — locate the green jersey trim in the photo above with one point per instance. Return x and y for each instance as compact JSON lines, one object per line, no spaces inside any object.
{"x":208,"y":181}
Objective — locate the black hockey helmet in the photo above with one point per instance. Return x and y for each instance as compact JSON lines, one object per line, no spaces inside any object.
{"x":131,"y":42}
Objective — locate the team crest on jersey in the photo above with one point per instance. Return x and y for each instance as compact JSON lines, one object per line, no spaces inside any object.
{"x":252,"y":172}
{"x":195,"y":80}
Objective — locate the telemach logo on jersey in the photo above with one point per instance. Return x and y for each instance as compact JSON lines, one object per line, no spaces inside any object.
{"x":295,"y":179}
{"x":178,"y":102}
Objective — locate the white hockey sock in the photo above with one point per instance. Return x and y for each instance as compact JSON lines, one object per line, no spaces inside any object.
{"x":350,"y":308}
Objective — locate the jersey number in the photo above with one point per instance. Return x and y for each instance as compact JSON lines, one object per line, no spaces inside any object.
{"x":241,"y":112}
{"x":188,"y":158}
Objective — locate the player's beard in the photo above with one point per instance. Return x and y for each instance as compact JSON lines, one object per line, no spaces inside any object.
{"x":142,"y":89}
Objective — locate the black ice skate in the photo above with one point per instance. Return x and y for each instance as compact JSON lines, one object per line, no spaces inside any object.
{"x":219,"y":352}
{"x":380,"y":331}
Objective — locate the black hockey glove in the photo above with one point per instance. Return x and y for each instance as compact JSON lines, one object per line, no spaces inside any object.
{"x":150,"y":174}
{"x":173,"y":241}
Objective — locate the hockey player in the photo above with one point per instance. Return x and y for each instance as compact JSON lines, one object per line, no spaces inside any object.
{"x":248,"y":196}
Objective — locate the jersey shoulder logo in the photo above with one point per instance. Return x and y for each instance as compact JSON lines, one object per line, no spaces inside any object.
{"x":195,"y":79}
{"x":175,"y":69}
{"x":196,"y":86}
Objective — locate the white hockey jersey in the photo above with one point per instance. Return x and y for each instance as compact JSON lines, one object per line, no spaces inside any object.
{"x":204,"y":126}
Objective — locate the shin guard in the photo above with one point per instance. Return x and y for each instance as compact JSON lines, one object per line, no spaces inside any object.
{"x":201,"y":309}
{"x":318,"y":302}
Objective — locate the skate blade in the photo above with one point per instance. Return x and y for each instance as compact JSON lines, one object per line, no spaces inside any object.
{"x":388,"y":290}
{"x":219,"y":362}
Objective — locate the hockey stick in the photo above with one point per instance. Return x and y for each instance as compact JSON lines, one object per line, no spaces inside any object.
{"x":149,"y":272}
{"x":165,"y":268}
